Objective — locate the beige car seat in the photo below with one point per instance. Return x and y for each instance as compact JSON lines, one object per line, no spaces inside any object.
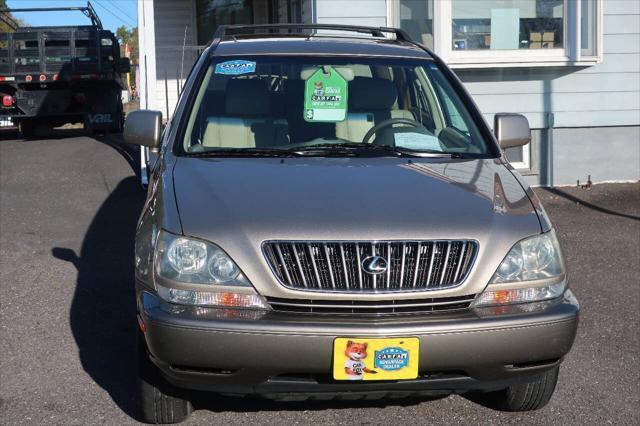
{"x":247,"y":121}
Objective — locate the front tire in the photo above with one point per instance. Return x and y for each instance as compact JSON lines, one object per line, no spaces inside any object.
{"x":158,"y":400}
{"x":525,"y":396}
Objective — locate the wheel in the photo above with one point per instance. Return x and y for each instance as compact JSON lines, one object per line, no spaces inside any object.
{"x":158,"y":400}
{"x":27,"y":128}
{"x":525,"y":396}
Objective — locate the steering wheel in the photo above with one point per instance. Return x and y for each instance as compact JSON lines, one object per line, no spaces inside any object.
{"x":388,"y":123}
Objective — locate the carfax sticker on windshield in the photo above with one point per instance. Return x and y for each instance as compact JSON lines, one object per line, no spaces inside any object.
{"x":325,"y":96}
{"x":236,"y":67}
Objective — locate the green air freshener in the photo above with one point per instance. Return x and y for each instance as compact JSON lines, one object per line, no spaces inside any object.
{"x":325,"y":96}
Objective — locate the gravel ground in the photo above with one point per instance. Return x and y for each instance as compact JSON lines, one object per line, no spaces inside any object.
{"x":68,"y":208}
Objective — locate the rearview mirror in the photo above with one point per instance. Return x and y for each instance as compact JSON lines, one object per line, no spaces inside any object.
{"x":511,"y":130}
{"x":143,"y":128}
{"x":125,"y":65}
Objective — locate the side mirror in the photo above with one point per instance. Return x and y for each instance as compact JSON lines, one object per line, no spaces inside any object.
{"x":511,"y":130}
{"x":125,"y":65}
{"x":143,"y":128}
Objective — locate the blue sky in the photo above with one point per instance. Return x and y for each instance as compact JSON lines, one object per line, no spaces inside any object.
{"x":112,"y":13}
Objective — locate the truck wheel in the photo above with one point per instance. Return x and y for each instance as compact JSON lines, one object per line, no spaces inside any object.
{"x":158,"y":400}
{"x":526,"y":396}
{"x":27,"y":129}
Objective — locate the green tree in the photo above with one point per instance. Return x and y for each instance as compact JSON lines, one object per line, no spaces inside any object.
{"x":129,"y":37}
{"x":7,"y":20}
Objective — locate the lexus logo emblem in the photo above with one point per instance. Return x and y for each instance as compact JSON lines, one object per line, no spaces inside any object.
{"x":375,"y":265}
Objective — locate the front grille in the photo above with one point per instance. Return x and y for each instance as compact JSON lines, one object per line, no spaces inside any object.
{"x":368,"y":307}
{"x":337,"y":266}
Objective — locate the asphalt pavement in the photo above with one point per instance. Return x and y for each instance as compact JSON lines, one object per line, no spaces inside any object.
{"x":68,"y":209}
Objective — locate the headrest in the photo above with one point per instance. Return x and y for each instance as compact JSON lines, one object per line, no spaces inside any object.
{"x":368,"y":94}
{"x":247,"y":97}
{"x":294,"y":90}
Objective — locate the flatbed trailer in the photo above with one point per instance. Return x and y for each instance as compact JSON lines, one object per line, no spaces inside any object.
{"x":54,"y":75}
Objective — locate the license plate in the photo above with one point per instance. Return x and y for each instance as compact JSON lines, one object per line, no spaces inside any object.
{"x":6,"y":122}
{"x":375,"y":358}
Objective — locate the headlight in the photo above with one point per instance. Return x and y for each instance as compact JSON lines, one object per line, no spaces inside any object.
{"x":199,"y":273}
{"x":192,"y":261}
{"x":536,"y":260}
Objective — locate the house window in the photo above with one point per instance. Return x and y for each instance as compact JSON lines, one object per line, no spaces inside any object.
{"x":212,"y":13}
{"x":416,"y":18}
{"x":589,"y":28}
{"x":510,"y":24}
{"x":294,"y":11}
{"x":504,"y":33}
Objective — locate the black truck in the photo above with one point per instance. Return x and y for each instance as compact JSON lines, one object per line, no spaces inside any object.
{"x":54,"y":75}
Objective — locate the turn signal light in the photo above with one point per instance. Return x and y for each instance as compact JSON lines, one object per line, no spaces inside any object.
{"x":212,"y":298}
{"x":7,"y":100}
{"x":520,"y":295}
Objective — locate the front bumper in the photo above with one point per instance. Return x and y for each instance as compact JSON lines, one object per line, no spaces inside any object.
{"x":285,"y":355}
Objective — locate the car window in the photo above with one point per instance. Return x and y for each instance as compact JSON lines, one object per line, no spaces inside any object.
{"x":258,"y":103}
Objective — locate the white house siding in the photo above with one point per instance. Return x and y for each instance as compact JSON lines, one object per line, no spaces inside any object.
{"x":607,"y":94}
{"x":595,"y":110}
{"x":352,"y":12}
{"x":173,"y":18}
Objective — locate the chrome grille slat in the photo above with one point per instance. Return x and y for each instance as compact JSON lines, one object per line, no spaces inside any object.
{"x":331,"y":266}
{"x":457,"y":274}
{"x":299,"y":265}
{"x":286,"y":270}
{"x":415,"y":273}
{"x":375,"y":277}
{"x":359,"y":262}
{"x":433,"y":250}
{"x":328,"y":304}
{"x":374,"y":307}
{"x":315,"y":267}
{"x":331,"y":275}
{"x":404,"y":251}
{"x":446,"y":259}
{"x":390,"y":260}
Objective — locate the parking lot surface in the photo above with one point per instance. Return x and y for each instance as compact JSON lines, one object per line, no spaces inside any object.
{"x":68,"y":209}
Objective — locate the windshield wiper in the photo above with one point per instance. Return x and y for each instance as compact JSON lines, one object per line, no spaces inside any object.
{"x":245,"y":152}
{"x":355,"y":148}
{"x":352,"y":149}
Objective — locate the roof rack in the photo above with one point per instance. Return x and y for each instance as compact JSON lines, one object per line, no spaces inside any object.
{"x":88,"y":11}
{"x":233,"y":30}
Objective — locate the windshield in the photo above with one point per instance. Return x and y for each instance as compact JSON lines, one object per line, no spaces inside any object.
{"x":324,"y":106}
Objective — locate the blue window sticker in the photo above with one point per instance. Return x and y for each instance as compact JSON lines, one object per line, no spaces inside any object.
{"x":236,"y":67}
{"x":391,"y":359}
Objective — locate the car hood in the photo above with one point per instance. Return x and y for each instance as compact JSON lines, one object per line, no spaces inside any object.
{"x":238,"y":203}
